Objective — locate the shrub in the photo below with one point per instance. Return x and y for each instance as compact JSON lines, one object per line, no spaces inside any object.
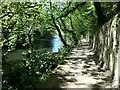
{"x":32,"y":71}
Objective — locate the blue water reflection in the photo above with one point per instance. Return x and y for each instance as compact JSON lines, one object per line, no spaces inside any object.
{"x":56,"y":43}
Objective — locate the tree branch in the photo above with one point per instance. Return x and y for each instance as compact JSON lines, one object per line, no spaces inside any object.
{"x":57,"y":28}
{"x":114,"y":11}
{"x":71,"y":10}
{"x":6,"y":14}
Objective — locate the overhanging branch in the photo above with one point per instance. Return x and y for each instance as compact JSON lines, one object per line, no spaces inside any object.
{"x":71,"y":10}
{"x":114,"y":11}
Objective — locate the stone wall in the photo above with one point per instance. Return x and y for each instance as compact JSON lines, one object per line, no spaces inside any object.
{"x":105,"y":45}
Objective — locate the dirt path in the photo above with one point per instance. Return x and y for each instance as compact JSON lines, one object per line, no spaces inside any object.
{"x":78,"y":71}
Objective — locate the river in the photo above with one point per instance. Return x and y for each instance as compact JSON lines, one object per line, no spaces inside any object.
{"x":42,"y":46}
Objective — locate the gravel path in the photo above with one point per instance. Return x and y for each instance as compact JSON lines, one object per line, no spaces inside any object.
{"x":79,"y":70}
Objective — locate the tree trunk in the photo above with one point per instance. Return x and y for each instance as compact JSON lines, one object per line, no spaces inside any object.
{"x":74,"y":36}
{"x":73,"y":33}
{"x":30,"y":43}
{"x":101,"y":17}
{"x":59,"y":33}
{"x":57,"y":28}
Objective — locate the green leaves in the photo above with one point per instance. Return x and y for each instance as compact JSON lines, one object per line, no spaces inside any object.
{"x":33,"y":70}
{"x":18,"y":17}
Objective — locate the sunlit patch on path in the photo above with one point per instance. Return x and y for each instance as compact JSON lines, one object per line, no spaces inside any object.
{"x":79,"y":70}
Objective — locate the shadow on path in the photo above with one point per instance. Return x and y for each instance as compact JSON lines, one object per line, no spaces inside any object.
{"x":79,"y":70}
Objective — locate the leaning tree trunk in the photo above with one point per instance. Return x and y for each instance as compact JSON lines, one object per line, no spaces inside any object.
{"x":59,"y":33}
{"x":74,"y":36}
{"x":57,"y":28}
{"x":101,"y":17}
{"x":73,"y":33}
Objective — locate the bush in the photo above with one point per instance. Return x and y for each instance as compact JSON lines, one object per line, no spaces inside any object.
{"x":32,"y":71}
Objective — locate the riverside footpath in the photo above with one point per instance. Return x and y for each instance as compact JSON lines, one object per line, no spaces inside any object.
{"x":79,"y":70}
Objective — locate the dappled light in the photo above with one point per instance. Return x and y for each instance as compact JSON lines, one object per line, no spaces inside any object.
{"x":59,"y":45}
{"x":78,"y":72}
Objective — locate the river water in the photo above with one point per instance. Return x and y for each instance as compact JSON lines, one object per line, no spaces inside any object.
{"x":56,"y":44}
{"x":42,"y":46}
{"x":52,"y":45}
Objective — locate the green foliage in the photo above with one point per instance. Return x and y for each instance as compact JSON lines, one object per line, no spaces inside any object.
{"x":22,"y":18}
{"x":32,"y":71}
{"x":24,"y":23}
